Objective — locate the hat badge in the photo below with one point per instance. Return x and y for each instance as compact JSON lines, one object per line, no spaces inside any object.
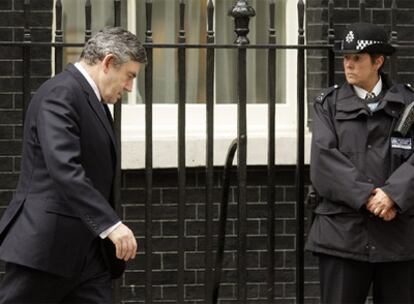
{"x":350,"y":37}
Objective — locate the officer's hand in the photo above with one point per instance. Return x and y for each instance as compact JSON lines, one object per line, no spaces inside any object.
{"x":389,"y":215}
{"x":380,"y":203}
{"x":125,"y":242}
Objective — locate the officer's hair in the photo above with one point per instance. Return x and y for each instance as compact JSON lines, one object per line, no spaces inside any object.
{"x":121,"y":43}
{"x":374,"y":57}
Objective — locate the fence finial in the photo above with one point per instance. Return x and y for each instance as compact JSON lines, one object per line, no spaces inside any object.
{"x":117,"y":12}
{"x":393,"y":66}
{"x":272,"y":28}
{"x":301,"y":18}
{"x":242,"y":12}
{"x":210,"y":20}
{"x":148,"y":32}
{"x":88,"y":20}
{"x":362,"y":11}
{"x":27,"y":35}
{"x":331,"y":30}
{"x":181,"y":33}
{"x":394,"y":35}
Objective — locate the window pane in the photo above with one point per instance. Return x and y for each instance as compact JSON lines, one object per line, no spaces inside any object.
{"x":165,"y":26}
{"x":165,"y":29}
{"x":73,"y":23}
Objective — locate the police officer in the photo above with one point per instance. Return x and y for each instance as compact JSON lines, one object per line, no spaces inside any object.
{"x":363,"y":231}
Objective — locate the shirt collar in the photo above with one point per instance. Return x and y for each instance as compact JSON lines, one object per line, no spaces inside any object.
{"x":361,"y":93}
{"x":89,"y":79}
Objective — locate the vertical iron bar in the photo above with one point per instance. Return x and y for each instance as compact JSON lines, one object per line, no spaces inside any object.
{"x":300,"y":168}
{"x":394,"y":41}
{"x":88,"y":19}
{"x":331,"y":40}
{"x":209,"y":154}
{"x":241,"y":11}
{"x":148,"y":155}
{"x":271,"y":156}
{"x":362,"y":11}
{"x":241,"y":174}
{"x":181,"y":153}
{"x":117,"y":120}
{"x":26,"y":59}
{"x":117,"y":131}
{"x":221,"y":235}
{"x":117,"y":17}
{"x":58,"y":37}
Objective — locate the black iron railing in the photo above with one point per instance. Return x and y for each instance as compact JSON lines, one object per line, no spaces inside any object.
{"x":241,"y":12}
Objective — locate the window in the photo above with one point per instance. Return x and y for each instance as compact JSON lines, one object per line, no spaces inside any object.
{"x":165,"y":24}
{"x":73,"y":23}
{"x":165,"y":27}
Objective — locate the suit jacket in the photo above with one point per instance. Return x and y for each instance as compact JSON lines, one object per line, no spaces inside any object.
{"x":63,"y":198}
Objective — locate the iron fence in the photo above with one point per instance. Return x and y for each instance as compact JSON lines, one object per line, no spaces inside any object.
{"x":241,"y":12}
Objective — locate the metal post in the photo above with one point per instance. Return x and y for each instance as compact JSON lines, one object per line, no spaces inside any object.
{"x":331,"y":40}
{"x":181,"y":154}
{"x":58,"y":37}
{"x":241,"y":12}
{"x":26,"y":60}
{"x":148,"y":155}
{"x":300,"y":167}
{"x":271,"y":157}
{"x":88,"y":20}
{"x":117,"y":131}
{"x":209,"y":154}
{"x":362,"y":11}
{"x":394,"y":41}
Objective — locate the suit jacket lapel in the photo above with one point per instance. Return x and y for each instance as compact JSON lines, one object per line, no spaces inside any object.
{"x":94,"y":102}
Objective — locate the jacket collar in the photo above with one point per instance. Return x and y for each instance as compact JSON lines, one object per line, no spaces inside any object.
{"x":349,"y":105}
{"x":93,"y":101}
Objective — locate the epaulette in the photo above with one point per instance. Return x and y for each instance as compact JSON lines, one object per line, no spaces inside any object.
{"x":409,"y":86}
{"x":325,"y":93}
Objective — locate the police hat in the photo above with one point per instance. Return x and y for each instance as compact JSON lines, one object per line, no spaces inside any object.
{"x":364,"y":38}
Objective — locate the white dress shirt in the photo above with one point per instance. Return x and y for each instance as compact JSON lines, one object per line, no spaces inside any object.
{"x":362,"y":93}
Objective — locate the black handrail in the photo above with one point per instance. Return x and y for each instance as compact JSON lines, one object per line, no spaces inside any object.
{"x":221,"y":237}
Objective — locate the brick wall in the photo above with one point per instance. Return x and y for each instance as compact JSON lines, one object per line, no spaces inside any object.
{"x":164,"y":205}
{"x":165,"y":230}
{"x":165,"y":194}
{"x":11,"y":29}
{"x":345,"y":12}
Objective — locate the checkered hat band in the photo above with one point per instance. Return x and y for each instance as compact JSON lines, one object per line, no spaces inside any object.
{"x":362,"y":44}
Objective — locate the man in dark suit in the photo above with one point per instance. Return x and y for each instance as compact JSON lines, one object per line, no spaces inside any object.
{"x":60,"y":236}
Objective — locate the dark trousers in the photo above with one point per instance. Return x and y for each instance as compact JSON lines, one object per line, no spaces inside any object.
{"x":349,"y":281}
{"x":26,"y":285}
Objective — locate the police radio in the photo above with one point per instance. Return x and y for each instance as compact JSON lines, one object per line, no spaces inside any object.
{"x":405,"y":121}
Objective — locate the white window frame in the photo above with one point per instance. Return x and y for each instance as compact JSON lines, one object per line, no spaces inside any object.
{"x":225,"y":122}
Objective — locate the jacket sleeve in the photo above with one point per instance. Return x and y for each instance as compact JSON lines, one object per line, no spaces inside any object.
{"x":400,"y":185}
{"x":58,"y":131}
{"x":333,"y":175}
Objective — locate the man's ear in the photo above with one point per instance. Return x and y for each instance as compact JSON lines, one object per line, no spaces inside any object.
{"x":107,"y":62}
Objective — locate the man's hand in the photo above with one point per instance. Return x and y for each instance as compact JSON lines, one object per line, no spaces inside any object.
{"x":381,"y":205}
{"x":125,"y":242}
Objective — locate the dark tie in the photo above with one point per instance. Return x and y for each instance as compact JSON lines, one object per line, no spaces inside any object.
{"x":370,"y":97}
{"x":107,"y":113}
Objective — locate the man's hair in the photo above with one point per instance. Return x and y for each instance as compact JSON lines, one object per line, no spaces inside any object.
{"x":121,"y":43}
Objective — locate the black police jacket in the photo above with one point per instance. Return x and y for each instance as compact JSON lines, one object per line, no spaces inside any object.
{"x":351,"y":155}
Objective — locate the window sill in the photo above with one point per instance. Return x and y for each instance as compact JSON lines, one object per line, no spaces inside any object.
{"x":225,"y":130}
